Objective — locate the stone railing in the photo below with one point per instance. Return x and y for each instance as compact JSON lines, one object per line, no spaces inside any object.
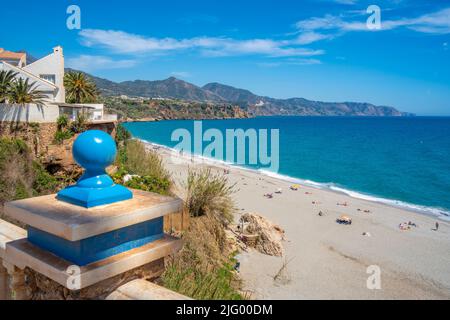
{"x":109,"y":117}
{"x":8,"y":233}
{"x":138,"y":289}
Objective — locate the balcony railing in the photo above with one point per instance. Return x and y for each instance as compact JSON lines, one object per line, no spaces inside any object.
{"x":105,"y":118}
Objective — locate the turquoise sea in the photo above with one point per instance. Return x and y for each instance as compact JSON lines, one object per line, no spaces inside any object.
{"x":402,"y":161}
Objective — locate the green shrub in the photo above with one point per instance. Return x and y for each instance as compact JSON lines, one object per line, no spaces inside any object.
{"x":149,"y":183}
{"x":44,"y":182}
{"x":61,"y":135}
{"x":122,"y":134}
{"x":16,"y":170}
{"x":80,"y":123}
{"x":62,"y":122}
{"x":209,"y":193}
{"x":20,"y":176}
{"x":146,"y":164}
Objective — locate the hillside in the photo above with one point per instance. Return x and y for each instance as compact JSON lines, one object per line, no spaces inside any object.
{"x":259,"y":105}
{"x":254,"y":105}
{"x":131,"y":109}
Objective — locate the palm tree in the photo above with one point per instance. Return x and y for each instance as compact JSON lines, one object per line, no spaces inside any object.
{"x":79,"y":88}
{"x":6,"y":79}
{"x":21,"y":92}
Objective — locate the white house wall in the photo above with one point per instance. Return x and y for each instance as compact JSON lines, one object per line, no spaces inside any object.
{"x":47,"y":89}
{"x":51,"y":64}
{"x":28,"y":113}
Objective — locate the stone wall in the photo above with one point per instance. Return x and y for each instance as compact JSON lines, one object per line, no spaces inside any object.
{"x":38,"y":136}
{"x":39,"y":287}
{"x":3,"y":281}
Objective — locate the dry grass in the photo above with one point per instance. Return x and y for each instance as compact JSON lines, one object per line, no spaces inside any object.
{"x":209,"y":193}
{"x":282,"y":276}
{"x":203,"y":269}
{"x":143,"y":162}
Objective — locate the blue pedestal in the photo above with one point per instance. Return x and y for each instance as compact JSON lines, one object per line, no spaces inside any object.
{"x":99,"y":247}
{"x":89,"y":198}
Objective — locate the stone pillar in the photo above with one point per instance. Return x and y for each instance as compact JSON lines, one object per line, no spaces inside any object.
{"x":3,"y":282}
{"x":16,"y":288}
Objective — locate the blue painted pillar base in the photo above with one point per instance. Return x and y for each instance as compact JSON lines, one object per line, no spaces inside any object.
{"x":99,"y":247}
{"x":90,"y":198}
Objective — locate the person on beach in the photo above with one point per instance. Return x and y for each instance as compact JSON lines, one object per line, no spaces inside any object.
{"x":437,"y":226}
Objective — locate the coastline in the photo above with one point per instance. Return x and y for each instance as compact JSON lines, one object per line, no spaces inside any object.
{"x":325,"y":259}
{"x":433,"y":212}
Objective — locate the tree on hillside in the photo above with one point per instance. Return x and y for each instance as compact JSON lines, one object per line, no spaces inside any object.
{"x":6,"y":80}
{"x":79,"y":88}
{"x":22,"y":92}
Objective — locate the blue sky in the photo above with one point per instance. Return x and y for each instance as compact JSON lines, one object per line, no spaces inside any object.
{"x":320,"y":50}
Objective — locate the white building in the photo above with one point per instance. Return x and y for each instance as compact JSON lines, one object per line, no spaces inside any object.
{"x":47,"y":75}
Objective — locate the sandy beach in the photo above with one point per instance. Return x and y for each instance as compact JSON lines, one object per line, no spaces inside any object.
{"x":326,"y":260}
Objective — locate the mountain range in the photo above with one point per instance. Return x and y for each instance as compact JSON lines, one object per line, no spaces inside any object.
{"x":255,"y":105}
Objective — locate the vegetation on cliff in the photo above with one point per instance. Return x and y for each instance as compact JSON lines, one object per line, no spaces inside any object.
{"x":157,"y":109}
{"x":66,"y":129}
{"x":141,"y":169}
{"x":20,"y":176}
{"x":204,"y":268}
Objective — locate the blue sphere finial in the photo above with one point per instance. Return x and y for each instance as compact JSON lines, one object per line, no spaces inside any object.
{"x":94,"y":150}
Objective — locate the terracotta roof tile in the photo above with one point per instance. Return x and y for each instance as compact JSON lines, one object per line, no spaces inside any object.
{"x":11,"y":55}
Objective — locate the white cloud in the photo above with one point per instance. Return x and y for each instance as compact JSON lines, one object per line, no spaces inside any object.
{"x":126,"y":43}
{"x":329,"y":26}
{"x":302,"y":62}
{"x":90,"y":63}
{"x":311,"y":36}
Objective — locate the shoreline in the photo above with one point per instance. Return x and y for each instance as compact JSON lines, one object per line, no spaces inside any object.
{"x":432,"y":212}
{"x":323,"y":259}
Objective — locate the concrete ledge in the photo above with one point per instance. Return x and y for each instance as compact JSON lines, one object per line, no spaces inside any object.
{"x":75,"y":223}
{"x":9,"y":232}
{"x":22,"y":254}
{"x":144,"y":290}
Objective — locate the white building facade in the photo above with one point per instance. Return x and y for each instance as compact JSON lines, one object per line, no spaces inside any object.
{"x":47,"y":76}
